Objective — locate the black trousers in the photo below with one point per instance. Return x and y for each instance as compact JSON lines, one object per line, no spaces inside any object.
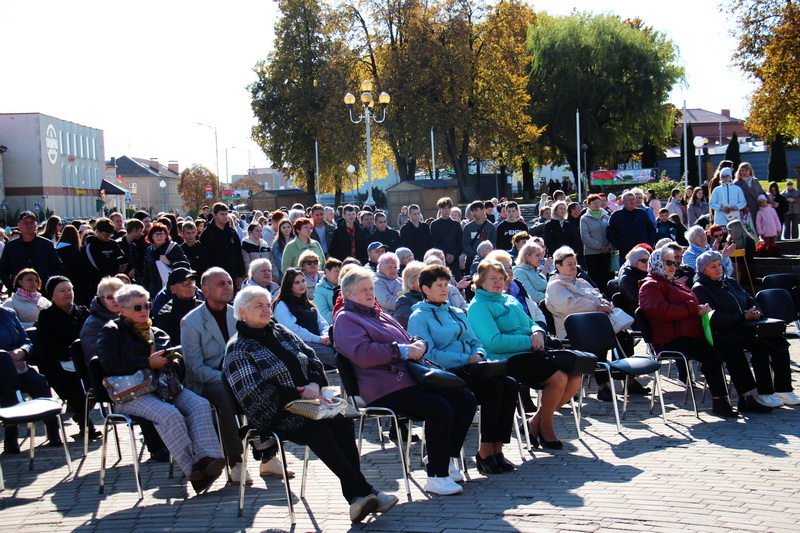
{"x":498,"y":400}
{"x":711,"y":360}
{"x":597,"y":266}
{"x":447,"y":420}
{"x":332,"y":440}
{"x":768,"y":356}
{"x":68,"y":387}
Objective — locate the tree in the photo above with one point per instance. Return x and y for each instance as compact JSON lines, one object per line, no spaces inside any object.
{"x":732,"y":152}
{"x":192,"y":186}
{"x":617,"y":73}
{"x":246,"y":183}
{"x":769,"y":51}
{"x":777,"y":170}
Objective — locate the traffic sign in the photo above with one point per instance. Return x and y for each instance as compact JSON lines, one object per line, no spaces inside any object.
{"x":128,"y":201}
{"x":209,"y":195}
{"x":4,"y":206}
{"x":37,"y":206}
{"x":208,"y":188}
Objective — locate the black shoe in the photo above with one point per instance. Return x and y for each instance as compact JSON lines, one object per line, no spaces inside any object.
{"x":503,"y":463}
{"x":55,"y":443}
{"x":403,"y":432}
{"x":161,"y":455}
{"x":207,"y":467}
{"x":634,"y":387}
{"x":722,"y":407}
{"x":749,"y":404}
{"x":604,"y":395}
{"x":11,"y":442}
{"x":488,"y":465}
{"x":550,"y":444}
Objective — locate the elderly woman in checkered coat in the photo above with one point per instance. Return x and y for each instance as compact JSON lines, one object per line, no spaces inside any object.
{"x":185,"y":423}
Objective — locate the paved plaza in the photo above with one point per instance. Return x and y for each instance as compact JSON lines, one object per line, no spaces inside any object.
{"x":688,"y":475}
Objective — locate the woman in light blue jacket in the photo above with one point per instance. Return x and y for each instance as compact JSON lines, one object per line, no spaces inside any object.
{"x":452,"y":345}
{"x":529,"y":270}
{"x":507,"y":332}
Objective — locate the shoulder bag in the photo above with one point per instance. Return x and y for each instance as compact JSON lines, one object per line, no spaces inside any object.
{"x":123,"y":389}
{"x":484,"y":369}
{"x":764,"y":328}
{"x":316,"y":409}
{"x":433,"y":378}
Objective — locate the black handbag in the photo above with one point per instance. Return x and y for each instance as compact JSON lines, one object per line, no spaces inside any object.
{"x":572,"y":361}
{"x":485,"y":369}
{"x":433,"y":378}
{"x":765,"y":328}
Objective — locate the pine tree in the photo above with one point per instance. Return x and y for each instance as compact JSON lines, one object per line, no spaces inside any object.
{"x":732,"y":152}
{"x":777,"y":170}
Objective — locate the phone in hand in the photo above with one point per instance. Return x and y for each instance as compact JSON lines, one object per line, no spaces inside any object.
{"x":173,"y":352}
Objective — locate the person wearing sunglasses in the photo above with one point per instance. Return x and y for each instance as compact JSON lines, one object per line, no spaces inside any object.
{"x":293,"y":309}
{"x":309,"y":264}
{"x":674,"y":312}
{"x":185,"y":423}
{"x":631,"y":274}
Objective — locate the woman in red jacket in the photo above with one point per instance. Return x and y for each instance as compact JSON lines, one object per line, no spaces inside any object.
{"x":674,"y":315}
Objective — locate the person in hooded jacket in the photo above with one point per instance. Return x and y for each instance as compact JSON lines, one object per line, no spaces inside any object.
{"x":254,"y":247}
{"x":103,"y":253}
{"x":631,"y":275}
{"x":452,"y":344}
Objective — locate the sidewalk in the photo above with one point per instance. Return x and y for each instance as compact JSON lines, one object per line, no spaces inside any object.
{"x":688,"y":475}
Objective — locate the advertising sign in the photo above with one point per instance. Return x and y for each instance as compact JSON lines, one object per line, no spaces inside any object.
{"x":238,"y":194}
{"x":624,"y":177}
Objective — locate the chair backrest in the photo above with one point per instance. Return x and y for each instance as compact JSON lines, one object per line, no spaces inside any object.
{"x":76,"y":351}
{"x":590,"y":332}
{"x":548,"y":316}
{"x":96,"y":376}
{"x":33,"y":335}
{"x":347,"y":374}
{"x":783,"y":280}
{"x":9,"y":379}
{"x":777,"y":303}
{"x":233,"y":399}
{"x":612,"y":287}
{"x":644,"y":326}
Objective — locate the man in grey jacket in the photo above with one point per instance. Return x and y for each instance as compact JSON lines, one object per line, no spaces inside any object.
{"x":792,"y":216}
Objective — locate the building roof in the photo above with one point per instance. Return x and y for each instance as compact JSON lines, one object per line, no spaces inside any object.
{"x":430,"y":184}
{"x":134,"y":167}
{"x":701,"y":116}
{"x":112,"y":188}
{"x":284,"y":192}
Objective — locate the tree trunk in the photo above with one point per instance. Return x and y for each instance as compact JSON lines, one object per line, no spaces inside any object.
{"x":458,"y":158}
{"x":337,"y":195}
{"x":311,"y":186}
{"x":527,"y":181}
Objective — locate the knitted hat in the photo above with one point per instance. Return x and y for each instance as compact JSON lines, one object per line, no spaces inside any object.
{"x":52,"y":283}
{"x":706,"y":258}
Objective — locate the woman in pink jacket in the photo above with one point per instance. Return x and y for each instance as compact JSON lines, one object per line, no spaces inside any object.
{"x":767,"y":221}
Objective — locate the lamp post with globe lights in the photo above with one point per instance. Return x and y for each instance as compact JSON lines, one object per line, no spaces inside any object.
{"x":699,"y":142}
{"x":163,"y":185}
{"x":367,"y":117}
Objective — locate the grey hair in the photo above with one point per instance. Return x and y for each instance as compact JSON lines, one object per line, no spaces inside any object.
{"x":388,"y":257}
{"x":628,"y":193}
{"x":353,"y":277}
{"x":563,"y":253}
{"x":435,"y":252}
{"x":410,"y":273}
{"x":327,"y":209}
{"x":109,"y":284}
{"x":294,"y":214}
{"x":131,"y":292}
{"x":255,"y":265}
{"x":212,"y":272}
{"x":244,"y":297}
{"x":693,"y":232}
{"x":483,"y":246}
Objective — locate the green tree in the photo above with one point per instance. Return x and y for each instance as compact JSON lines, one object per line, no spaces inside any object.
{"x":777,"y":170}
{"x":617,"y":73}
{"x":192,"y":186}
{"x":732,"y":152}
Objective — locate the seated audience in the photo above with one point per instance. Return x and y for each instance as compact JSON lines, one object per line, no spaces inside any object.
{"x":387,"y":283}
{"x":698,"y":244}
{"x":309,"y":264}
{"x":531,"y":272}
{"x":323,"y":295}
{"x":631,"y":274}
{"x":26,"y":300}
{"x":410,"y":295}
{"x":260,"y":273}
{"x":181,"y":283}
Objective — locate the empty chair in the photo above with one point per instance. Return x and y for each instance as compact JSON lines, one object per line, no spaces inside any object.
{"x":783,"y":280}
{"x":778,"y":303}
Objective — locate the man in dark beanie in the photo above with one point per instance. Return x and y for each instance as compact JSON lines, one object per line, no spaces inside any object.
{"x":103,"y":253}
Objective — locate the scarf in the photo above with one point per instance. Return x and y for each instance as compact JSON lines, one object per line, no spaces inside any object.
{"x":597,"y":214}
{"x":32,"y":297}
{"x":656,"y":264}
{"x":141,"y":329}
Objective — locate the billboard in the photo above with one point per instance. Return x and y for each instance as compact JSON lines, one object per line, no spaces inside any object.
{"x":237,"y":194}
{"x":624,"y":177}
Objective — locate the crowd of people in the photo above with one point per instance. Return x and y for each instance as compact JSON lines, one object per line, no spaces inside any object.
{"x":261,"y":305}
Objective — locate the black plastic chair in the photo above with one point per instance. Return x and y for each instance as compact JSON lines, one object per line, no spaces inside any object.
{"x":783,"y":280}
{"x":612,"y":287}
{"x":778,"y":303}
{"x":669,"y":355}
{"x":250,"y":435}
{"x":112,"y":419}
{"x":592,"y":332}
{"x":551,"y":321}
{"x":28,"y":412}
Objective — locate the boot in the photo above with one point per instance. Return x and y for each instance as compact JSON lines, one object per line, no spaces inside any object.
{"x":722,"y":407}
{"x":53,"y":434}
{"x":11,"y":442}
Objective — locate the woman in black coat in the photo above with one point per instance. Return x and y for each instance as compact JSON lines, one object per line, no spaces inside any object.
{"x":161,"y":250}
{"x":632,"y":273}
{"x":59,"y":326}
{"x":557,"y":232}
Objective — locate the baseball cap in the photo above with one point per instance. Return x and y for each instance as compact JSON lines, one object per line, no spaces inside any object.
{"x":375,"y":245}
{"x":26,"y":214}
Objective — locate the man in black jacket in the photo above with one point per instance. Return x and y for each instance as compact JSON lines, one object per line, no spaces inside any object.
{"x":388,"y":236}
{"x":104,"y":253}
{"x":415,"y":234}
{"x":181,"y":283}
{"x":134,"y":230}
{"x":29,"y":251}
{"x":349,"y":239}
{"x":224,"y":246}
{"x":446,"y":235}
{"x":195,"y":251}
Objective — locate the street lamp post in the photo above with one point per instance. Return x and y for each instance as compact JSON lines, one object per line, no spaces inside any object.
{"x":216,"y":150}
{"x":163,"y":185}
{"x":352,"y":171}
{"x":367,"y":117}
{"x":699,"y":142}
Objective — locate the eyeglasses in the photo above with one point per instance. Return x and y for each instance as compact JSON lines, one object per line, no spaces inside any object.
{"x":311,"y":262}
{"x":644,"y":260}
{"x":109,"y":297}
{"x":138,"y":307}
{"x":670,"y":263}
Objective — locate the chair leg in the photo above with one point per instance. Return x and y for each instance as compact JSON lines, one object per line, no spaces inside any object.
{"x":282,"y":451}
{"x":85,"y":424}
{"x":2,"y":483}
{"x":135,"y":455}
{"x":525,"y":430}
{"x":219,"y":438}
{"x":116,"y":440}
{"x":519,"y":439}
{"x":103,"y":456}
{"x":361,"y":431}
{"x":613,"y":396}
{"x":403,"y":462}
{"x":624,"y":397}
{"x":242,"y":478}
{"x":31,"y":451}
{"x":657,"y":385}
{"x":577,"y":417}
{"x":64,"y":443}
{"x":305,"y":472}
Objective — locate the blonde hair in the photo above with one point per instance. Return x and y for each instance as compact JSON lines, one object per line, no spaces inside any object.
{"x":524,"y":252}
{"x":411,"y":273}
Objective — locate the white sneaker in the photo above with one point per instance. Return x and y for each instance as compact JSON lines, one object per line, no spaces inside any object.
{"x":273,"y":467}
{"x":386,"y":501}
{"x":235,"y":475}
{"x":788,"y":398}
{"x":454,"y":472}
{"x":444,"y":486}
{"x":770,"y":400}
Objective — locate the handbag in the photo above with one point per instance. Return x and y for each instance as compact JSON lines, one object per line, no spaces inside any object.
{"x":433,"y":378}
{"x":620,"y":319}
{"x":484,"y":369}
{"x":572,"y":361}
{"x":168,"y":384}
{"x":317,"y":410}
{"x":123,"y":389}
{"x":765,"y":328}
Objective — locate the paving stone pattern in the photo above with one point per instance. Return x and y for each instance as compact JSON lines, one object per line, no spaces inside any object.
{"x":688,"y":475}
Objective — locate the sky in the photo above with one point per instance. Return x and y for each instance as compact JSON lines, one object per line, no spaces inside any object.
{"x":147,"y":72}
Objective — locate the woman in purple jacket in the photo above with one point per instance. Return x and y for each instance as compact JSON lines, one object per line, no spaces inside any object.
{"x":379,"y":347}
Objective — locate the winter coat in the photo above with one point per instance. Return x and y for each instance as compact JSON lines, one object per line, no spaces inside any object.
{"x":390,"y":237}
{"x":342,"y":242}
{"x":557,"y":233}
{"x":105,"y":258}
{"x":671,"y":309}
{"x":694,"y":251}
{"x":627,"y":228}
{"x":675,"y":207}
{"x":99,"y":316}
{"x":264,"y":367}
{"x":224,"y":249}
{"x":293,"y":250}
{"x":170,"y":315}
{"x":501,"y":324}
{"x":767,"y":222}
{"x":12,"y":334}
{"x":39,"y":254}
{"x":752,"y":190}
{"x":729,"y":301}
{"x":152,"y":278}
{"x":566,"y":295}
{"x":76,"y":267}
{"x":323,"y":299}
{"x":446,"y":235}
{"x":695,"y":211}
{"x":405,"y":302}
{"x":445,"y":328}
{"x":535,"y":282}
{"x":387,"y":291}
{"x":726,"y":195}
{"x":122,"y":351}
{"x":594,"y":233}
{"x":416,"y":238}
{"x":27,"y":311}
{"x":255,"y":250}
{"x":629,"y":280}
{"x":57,"y":330}
{"x":369,"y":338}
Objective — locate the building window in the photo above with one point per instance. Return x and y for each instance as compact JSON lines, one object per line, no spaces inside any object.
{"x":133,"y":187}
{"x":61,"y":142}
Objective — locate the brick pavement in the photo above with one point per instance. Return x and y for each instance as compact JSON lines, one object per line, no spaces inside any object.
{"x":689,"y":475}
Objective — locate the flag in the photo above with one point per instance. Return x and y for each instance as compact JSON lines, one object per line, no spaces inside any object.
{"x":120,"y":180}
